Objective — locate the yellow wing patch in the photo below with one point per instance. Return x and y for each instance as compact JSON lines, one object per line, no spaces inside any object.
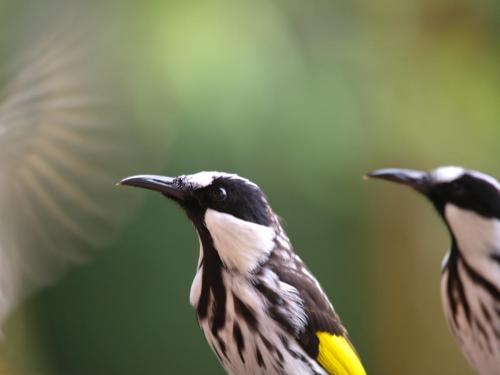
{"x":337,"y":356}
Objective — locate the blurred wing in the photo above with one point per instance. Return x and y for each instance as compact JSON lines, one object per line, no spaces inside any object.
{"x":62,"y":150}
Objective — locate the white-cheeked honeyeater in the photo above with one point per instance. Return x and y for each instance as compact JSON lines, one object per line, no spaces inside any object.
{"x":469,"y":203}
{"x":260,"y":308}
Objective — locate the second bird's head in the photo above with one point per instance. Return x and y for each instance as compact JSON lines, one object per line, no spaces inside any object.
{"x":228,"y":211}
{"x":455,"y":186}
{"x":467,"y":200}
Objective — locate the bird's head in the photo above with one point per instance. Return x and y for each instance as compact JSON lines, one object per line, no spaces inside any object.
{"x":466,"y":189}
{"x":467,"y":200}
{"x":226,"y":209}
{"x":204,"y":191}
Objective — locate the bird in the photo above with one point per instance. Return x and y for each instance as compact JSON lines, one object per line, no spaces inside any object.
{"x":469,"y":203}
{"x":260,"y":308}
{"x":63,"y":143}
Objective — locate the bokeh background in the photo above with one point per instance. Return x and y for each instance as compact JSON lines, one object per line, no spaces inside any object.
{"x":303,"y":98}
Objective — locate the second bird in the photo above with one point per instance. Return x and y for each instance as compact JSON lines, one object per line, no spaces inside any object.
{"x":469,"y":203}
{"x":260,"y":308}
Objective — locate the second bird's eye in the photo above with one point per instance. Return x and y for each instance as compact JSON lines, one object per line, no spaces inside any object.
{"x":457,"y":188}
{"x":218,"y":194}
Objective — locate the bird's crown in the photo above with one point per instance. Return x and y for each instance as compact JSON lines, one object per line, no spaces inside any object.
{"x":450,"y":174}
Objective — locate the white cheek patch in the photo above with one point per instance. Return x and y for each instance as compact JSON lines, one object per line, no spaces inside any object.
{"x":241,"y":244}
{"x":476,"y":235}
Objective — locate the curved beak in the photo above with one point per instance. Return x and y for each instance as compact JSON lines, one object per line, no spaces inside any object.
{"x":165,"y":185}
{"x":416,"y":179}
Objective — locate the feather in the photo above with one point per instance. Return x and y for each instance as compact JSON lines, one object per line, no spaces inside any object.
{"x":62,"y":149}
{"x":337,"y":356}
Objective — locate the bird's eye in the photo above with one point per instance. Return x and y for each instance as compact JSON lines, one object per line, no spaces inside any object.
{"x":457,"y":188}
{"x":218,"y":194}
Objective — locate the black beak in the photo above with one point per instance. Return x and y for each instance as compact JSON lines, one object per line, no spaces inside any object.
{"x":165,"y":185}
{"x":416,"y":179}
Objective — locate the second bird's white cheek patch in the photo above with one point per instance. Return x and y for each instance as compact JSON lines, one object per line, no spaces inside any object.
{"x":473,"y":232}
{"x":241,"y":244}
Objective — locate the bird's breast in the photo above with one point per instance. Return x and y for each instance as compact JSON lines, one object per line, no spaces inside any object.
{"x":249,"y":341}
{"x":472,"y":311}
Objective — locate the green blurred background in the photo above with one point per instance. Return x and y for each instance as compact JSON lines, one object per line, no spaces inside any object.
{"x":303,"y":98}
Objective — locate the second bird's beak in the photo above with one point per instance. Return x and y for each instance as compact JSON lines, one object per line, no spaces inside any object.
{"x":416,"y":179}
{"x":168,"y":186}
